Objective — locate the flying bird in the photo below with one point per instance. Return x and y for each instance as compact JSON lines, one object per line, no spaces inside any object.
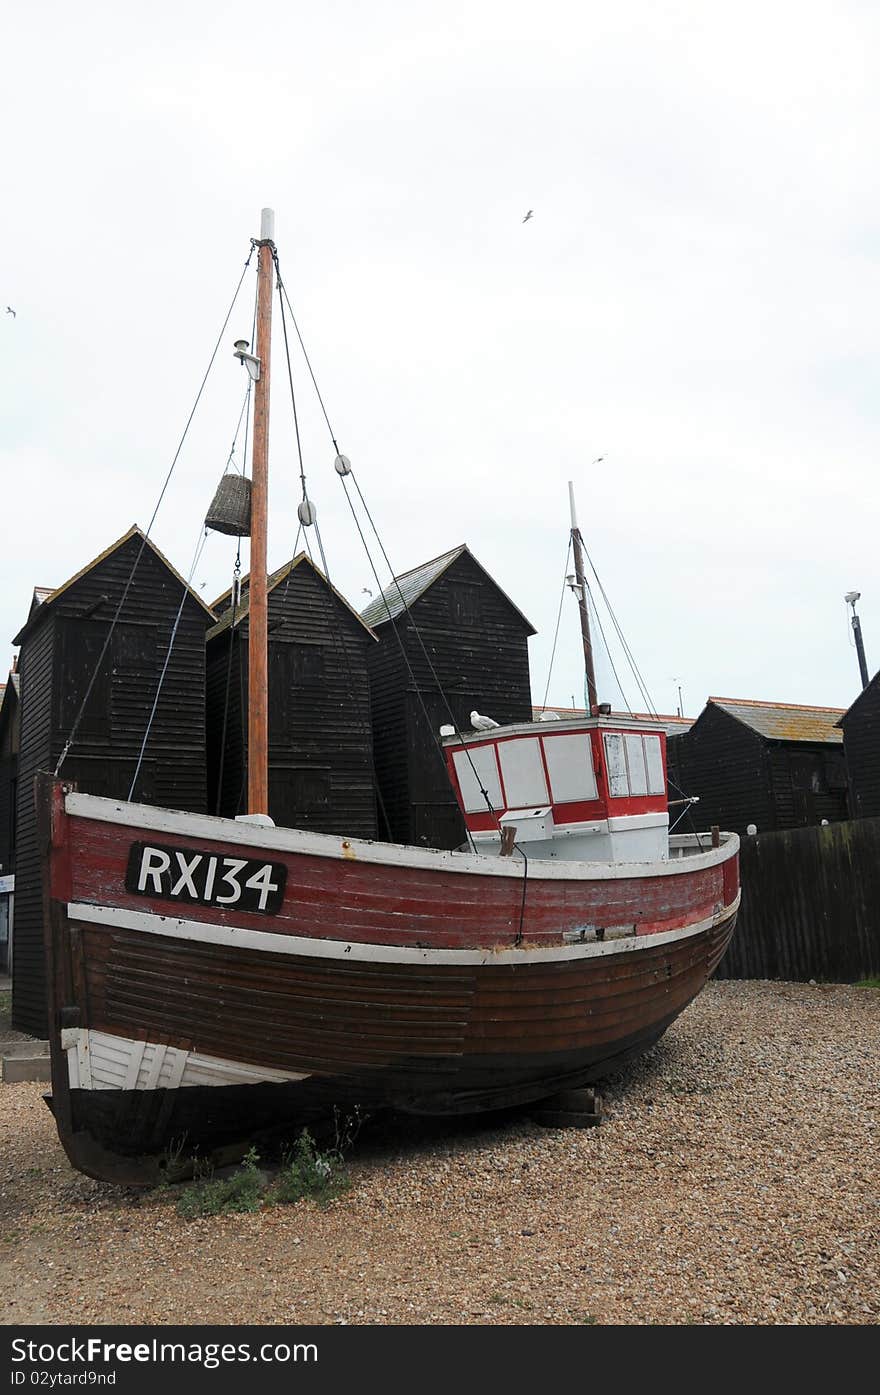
{"x":528,"y":215}
{"x":10,"y":311}
{"x":482,"y":723}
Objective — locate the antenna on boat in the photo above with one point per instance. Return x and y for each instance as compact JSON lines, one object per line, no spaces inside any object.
{"x":258,"y":703}
{"x":579,"y":587}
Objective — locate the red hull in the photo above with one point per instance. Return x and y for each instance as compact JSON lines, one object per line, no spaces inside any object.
{"x":432,"y":982}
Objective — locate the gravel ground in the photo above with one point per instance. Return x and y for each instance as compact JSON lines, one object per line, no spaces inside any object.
{"x":733,"y":1181}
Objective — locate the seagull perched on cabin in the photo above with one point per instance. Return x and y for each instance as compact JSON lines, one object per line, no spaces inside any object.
{"x":528,"y":215}
{"x":482,"y":723}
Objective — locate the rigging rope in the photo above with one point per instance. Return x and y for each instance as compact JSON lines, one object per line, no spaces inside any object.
{"x":236,"y":597}
{"x":628,"y":654}
{"x":558,"y":618}
{"x":184,"y":593}
{"x":382,"y":590}
{"x":76,"y":723}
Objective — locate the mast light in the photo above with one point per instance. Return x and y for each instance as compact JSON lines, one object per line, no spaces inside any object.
{"x":250,"y":361}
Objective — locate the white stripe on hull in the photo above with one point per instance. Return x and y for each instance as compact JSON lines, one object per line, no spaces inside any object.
{"x":149,"y":819}
{"x":104,"y":1061}
{"x":118,"y":918}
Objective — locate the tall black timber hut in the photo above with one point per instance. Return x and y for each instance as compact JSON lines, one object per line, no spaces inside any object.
{"x":772,"y":764}
{"x":320,"y":733}
{"x":449,"y":635}
{"x":9,"y":733}
{"x":61,"y":644}
{"x":860,"y":725}
{"x":10,"y":725}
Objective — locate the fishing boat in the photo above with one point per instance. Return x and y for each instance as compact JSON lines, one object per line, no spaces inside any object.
{"x":212,"y":979}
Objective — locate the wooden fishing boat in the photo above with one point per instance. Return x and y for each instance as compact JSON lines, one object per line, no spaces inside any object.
{"x":213,"y":978}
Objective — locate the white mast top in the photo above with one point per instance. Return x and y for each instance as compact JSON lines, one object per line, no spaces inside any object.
{"x":267,"y":225}
{"x":574,"y":522}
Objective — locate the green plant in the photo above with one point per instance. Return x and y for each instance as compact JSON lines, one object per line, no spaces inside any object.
{"x":868,"y":983}
{"x":219,"y":1196}
{"x":308,"y":1172}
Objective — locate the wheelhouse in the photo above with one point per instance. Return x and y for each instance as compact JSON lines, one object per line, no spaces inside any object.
{"x":589,"y":789}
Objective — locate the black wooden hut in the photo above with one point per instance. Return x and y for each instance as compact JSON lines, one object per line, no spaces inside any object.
{"x":61,"y":645}
{"x":9,"y":733}
{"x":320,"y":733}
{"x":450,"y":641}
{"x":9,"y":738}
{"x":772,"y":764}
{"x":860,"y":725}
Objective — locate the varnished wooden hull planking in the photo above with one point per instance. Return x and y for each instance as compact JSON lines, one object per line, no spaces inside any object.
{"x":433,"y":983}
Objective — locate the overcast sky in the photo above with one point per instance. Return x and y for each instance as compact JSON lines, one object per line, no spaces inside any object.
{"x":696,"y":299}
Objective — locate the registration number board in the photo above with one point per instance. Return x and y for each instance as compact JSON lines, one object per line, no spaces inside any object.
{"x":205,"y":878}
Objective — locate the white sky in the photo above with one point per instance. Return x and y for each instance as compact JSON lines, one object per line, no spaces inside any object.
{"x":696,"y":298}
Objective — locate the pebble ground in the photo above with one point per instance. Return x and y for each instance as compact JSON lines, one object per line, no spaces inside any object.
{"x":733,"y":1181}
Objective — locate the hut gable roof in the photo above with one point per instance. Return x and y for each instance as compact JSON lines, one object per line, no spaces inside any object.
{"x":784,"y":721}
{"x":243,"y":608}
{"x":407,"y":588}
{"x":873,"y":689}
{"x":44,"y":598}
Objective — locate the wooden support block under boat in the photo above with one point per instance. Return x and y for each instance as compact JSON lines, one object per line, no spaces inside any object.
{"x":571,"y":1109}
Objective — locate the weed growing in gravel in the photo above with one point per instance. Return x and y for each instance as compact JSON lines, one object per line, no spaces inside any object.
{"x":868,"y":983}
{"x":218,"y":1196}
{"x":308,"y":1172}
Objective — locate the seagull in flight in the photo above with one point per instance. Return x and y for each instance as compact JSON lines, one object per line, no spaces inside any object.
{"x":10,"y":311}
{"x":528,"y":215}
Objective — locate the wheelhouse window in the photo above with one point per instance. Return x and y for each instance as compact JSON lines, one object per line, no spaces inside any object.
{"x":522,"y":772}
{"x":476,"y":766}
{"x":634,"y":763}
{"x":570,"y":766}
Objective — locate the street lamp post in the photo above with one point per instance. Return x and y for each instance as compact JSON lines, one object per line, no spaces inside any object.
{"x":851,"y":597}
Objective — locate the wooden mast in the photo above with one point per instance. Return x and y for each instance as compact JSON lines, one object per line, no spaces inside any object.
{"x":581,"y":592}
{"x":258,"y":699}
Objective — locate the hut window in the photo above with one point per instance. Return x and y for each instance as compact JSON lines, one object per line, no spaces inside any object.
{"x":134,"y":648}
{"x":306,"y":663}
{"x":485,"y":765}
{"x":464,"y":602}
{"x":570,"y":763}
{"x":523,"y":772}
{"x":293,"y":794}
{"x":81,"y":644}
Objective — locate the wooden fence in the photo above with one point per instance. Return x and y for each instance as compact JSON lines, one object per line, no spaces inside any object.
{"x":810,"y":905}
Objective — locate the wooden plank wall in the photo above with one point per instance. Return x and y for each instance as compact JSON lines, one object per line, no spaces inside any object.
{"x":810,"y":905}
{"x":861,"y":739}
{"x":320,"y":727}
{"x":35,"y":750}
{"x":57,"y":659}
{"x":8,"y":776}
{"x":743,"y":778}
{"x":477,"y":643}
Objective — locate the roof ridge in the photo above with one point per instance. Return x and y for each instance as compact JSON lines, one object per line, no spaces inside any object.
{"x":758,"y":702}
{"x":401,"y":576}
